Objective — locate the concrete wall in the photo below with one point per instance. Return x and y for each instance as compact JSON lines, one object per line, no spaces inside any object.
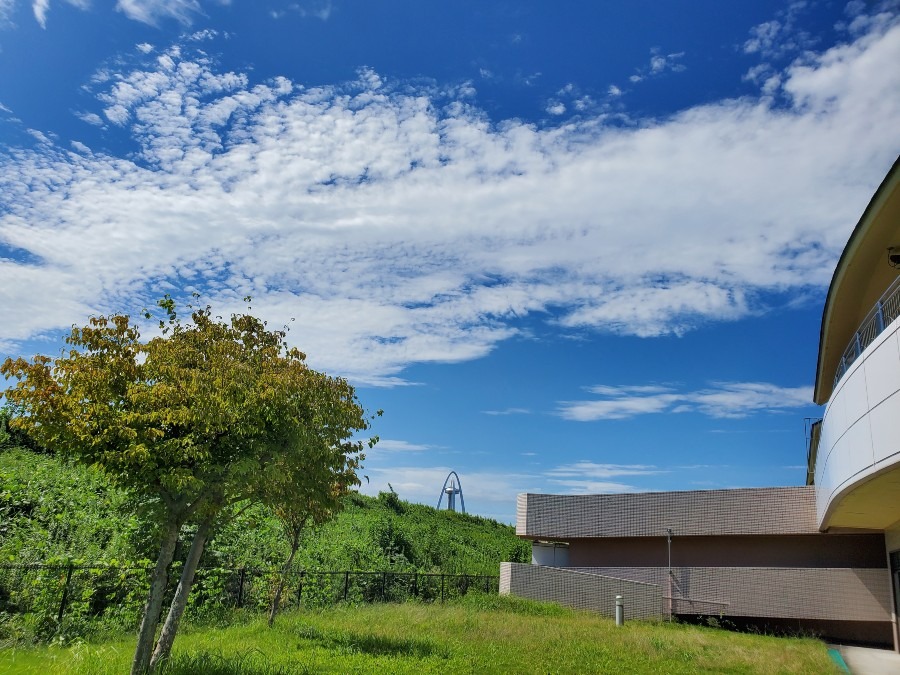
{"x":861,"y":428}
{"x":581,"y":590}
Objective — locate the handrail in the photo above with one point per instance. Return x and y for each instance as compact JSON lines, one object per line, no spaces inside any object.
{"x":886,"y":309}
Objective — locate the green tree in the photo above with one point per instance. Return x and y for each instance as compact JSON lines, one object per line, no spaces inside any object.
{"x":192,"y":418}
{"x":301,"y":496}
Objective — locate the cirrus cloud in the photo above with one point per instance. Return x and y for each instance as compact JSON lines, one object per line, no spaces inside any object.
{"x":719,"y":400}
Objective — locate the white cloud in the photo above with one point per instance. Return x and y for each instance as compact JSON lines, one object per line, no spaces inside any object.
{"x":144,"y":47}
{"x":6,"y":10}
{"x":556,"y":108}
{"x":319,"y":9}
{"x":91,"y":118}
{"x":315,"y":9}
{"x":507,"y":411}
{"x":585,"y":469}
{"x":39,"y":136}
{"x":583,"y":103}
{"x":659,"y":63}
{"x":762,"y":37}
{"x":592,"y":478}
{"x":614,"y":91}
{"x":720,"y":400}
{"x":400,"y":228}
{"x":389,"y":445}
{"x":780,"y":36}
{"x":151,"y":11}
{"x":40,"y":9}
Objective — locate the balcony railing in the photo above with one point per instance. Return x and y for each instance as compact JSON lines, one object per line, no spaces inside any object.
{"x":881,"y":315}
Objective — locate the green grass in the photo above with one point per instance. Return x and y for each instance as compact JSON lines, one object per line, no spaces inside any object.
{"x":479,"y":634}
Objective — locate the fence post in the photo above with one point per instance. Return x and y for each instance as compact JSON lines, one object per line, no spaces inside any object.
{"x":65,"y":596}
{"x":442,"y":587}
{"x":346,"y":584}
{"x":416,"y":584}
{"x":384,"y":586}
{"x":300,"y":588}
{"x":620,"y":610}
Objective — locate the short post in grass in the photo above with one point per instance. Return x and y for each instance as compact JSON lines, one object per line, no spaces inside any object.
{"x":620,"y":610}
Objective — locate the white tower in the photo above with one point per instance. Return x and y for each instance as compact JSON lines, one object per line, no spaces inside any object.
{"x":454,"y":488}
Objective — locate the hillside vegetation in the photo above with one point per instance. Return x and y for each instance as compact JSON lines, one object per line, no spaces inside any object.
{"x":51,"y":511}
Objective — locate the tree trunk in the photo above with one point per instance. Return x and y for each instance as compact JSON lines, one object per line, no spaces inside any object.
{"x":158,"y":582}
{"x":179,"y":602}
{"x":295,"y":544}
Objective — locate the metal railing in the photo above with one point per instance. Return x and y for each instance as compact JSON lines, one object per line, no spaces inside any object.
{"x":55,"y":593}
{"x":881,"y":315}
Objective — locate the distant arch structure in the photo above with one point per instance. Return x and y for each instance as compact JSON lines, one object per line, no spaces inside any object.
{"x":452,"y":487}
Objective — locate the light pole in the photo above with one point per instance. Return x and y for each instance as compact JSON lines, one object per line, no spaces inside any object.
{"x":670,"y":584}
{"x":669,"y":546}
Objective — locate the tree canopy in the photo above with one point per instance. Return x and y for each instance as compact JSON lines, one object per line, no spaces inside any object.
{"x":207,"y":413}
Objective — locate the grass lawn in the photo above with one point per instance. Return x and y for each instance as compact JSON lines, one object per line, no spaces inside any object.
{"x":481,"y":634}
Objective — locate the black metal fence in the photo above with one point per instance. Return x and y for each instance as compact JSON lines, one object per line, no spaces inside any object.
{"x":67,"y":594}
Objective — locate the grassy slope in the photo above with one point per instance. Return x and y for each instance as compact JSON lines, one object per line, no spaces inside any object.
{"x":477,"y":635}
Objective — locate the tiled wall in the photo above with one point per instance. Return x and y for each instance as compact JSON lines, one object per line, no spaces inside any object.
{"x":581,"y":590}
{"x":768,"y":511}
{"x":841,"y":594}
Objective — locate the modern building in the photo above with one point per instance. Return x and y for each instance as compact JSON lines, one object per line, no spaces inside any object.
{"x":824,"y":557}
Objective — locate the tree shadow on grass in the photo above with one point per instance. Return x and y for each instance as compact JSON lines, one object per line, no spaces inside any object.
{"x":350,"y":642}
{"x":253,"y":662}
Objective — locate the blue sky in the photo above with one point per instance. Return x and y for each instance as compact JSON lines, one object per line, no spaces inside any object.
{"x":568,"y":247}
